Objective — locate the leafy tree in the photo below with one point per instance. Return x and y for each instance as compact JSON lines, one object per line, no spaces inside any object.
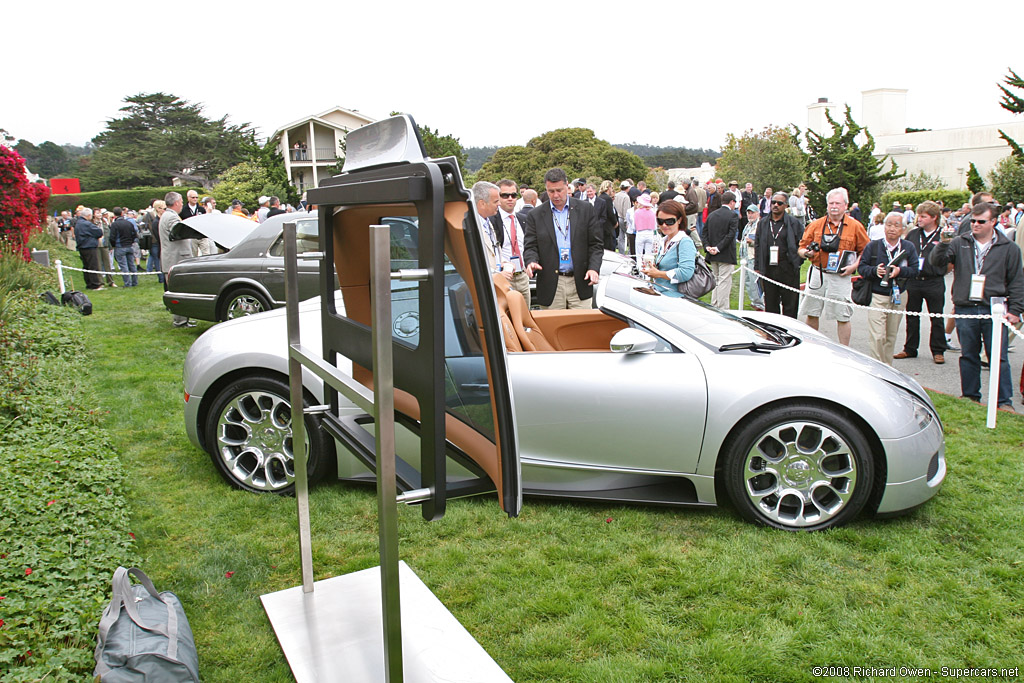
{"x":838,"y":161}
{"x":670,"y":157}
{"x":770,"y":158}
{"x":161,"y":137}
{"x":575,"y":150}
{"x":913,"y":183}
{"x":1007,"y":179}
{"x":246,"y":182}
{"x":975,"y":183}
{"x":478,"y":156}
{"x":1012,"y":103}
{"x":48,"y":159}
{"x":268,"y":158}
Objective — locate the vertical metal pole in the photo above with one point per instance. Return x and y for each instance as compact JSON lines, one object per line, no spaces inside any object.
{"x":384,"y":432}
{"x":743,"y":274}
{"x":291,"y":296}
{"x":60,"y":275}
{"x":994,"y":369}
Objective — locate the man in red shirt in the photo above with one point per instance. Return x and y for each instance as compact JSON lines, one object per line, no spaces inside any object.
{"x":834,"y":244}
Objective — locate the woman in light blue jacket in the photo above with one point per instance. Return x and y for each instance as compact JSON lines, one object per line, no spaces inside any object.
{"x":676,"y":254}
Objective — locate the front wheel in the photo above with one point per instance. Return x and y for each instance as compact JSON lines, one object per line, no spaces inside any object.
{"x":249,"y":434}
{"x":798,"y":467}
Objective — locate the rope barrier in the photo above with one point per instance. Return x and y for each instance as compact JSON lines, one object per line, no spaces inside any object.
{"x":112,"y":272}
{"x":847,"y":302}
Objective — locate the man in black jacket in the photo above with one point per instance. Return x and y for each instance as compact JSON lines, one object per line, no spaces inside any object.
{"x":776,"y":257}
{"x":563,"y":248}
{"x":986,"y":264}
{"x":605,"y":212}
{"x":721,"y":248}
{"x":123,"y":235}
{"x":928,"y":287}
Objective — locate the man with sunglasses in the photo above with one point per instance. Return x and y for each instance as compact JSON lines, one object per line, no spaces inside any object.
{"x":986,"y":264}
{"x":776,"y":256}
{"x":721,"y":248}
{"x":508,"y":228}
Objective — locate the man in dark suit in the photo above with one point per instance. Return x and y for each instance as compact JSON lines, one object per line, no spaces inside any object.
{"x":563,"y":247}
{"x":721,"y":248}
{"x":579,"y":184}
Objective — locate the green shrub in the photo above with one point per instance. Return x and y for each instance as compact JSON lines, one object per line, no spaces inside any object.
{"x":105,"y":199}
{"x":950,"y":198}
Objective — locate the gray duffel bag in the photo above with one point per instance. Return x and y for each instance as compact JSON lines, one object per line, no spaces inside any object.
{"x":144,"y":635}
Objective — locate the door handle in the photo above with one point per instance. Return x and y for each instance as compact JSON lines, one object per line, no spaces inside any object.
{"x":275,"y":269}
{"x":477,"y":387}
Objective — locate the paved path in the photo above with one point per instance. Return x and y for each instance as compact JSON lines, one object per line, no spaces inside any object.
{"x":943,"y":378}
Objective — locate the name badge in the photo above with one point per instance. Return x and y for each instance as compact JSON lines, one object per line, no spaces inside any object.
{"x":977,"y":288}
{"x":564,"y":259}
{"x":920,"y":264}
{"x":773,"y":256}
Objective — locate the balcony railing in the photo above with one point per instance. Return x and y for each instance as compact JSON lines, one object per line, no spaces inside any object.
{"x":323,"y":154}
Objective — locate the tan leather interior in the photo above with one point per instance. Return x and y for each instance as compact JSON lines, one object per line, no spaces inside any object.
{"x":352,"y":262}
{"x":547,"y":331}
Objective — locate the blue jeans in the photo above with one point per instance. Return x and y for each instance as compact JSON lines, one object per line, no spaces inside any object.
{"x":153,"y":262}
{"x":973,"y":333}
{"x":125,"y":257}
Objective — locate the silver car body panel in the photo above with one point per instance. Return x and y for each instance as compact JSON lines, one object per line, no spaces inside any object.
{"x":592,"y":421}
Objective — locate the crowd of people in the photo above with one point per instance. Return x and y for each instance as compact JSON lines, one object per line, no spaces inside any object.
{"x":903,"y":259}
{"x":124,"y":237}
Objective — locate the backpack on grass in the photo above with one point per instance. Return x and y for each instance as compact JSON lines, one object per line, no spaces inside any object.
{"x":144,"y":635}
{"x":77,"y":299}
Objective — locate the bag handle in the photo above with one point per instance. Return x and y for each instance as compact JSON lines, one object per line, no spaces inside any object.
{"x":121,"y":588}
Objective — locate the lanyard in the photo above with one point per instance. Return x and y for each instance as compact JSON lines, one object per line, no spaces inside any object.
{"x":775,"y":233}
{"x":925,"y":242}
{"x":889,"y":252}
{"x":564,"y":232}
{"x":980,"y":254}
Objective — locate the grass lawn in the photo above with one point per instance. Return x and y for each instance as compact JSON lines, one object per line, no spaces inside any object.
{"x":574,"y":591}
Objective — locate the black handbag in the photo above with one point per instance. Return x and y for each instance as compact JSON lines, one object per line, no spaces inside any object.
{"x":861,"y":292}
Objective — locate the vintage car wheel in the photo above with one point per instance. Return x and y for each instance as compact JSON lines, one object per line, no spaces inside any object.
{"x":249,"y":435}
{"x":798,"y":467}
{"x":242,"y":302}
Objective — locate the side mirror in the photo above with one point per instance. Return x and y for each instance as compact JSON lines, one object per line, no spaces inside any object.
{"x":632,"y":340}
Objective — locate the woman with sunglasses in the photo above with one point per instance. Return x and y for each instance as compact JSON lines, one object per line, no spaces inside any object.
{"x":676,"y":255}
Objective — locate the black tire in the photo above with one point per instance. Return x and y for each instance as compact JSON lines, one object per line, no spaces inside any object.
{"x":248,"y":434}
{"x":798,"y":467}
{"x":241,"y":302}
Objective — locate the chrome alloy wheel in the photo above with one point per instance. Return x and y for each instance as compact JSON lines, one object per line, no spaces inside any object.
{"x":243,"y":305}
{"x":800,"y":474}
{"x":254,"y":440}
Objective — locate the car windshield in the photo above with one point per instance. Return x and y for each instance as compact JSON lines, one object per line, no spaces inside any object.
{"x":699,"y":320}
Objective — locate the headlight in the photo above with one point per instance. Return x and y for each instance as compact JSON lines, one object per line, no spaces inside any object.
{"x":922,"y":413}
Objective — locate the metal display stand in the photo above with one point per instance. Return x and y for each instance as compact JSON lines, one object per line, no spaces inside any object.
{"x":330,"y":630}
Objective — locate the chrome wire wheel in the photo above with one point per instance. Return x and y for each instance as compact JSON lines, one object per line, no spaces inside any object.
{"x":799,"y":467}
{"x":243,"y":304}
{"x":254,"y":441}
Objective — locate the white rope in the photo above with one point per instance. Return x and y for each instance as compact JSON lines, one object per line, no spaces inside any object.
{"x":113,"y":272}
{"x":804,"y":292}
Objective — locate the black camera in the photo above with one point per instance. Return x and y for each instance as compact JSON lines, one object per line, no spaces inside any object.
{"x":813,"y":247}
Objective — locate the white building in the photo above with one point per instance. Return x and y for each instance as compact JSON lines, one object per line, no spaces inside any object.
{"x":946,"y":153}
{"x":312,"y":144}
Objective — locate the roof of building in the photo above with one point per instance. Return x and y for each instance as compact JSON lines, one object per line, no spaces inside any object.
{"x":319,"y":118}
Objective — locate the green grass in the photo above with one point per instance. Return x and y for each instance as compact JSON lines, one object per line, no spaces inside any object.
{"x":574,"y":591}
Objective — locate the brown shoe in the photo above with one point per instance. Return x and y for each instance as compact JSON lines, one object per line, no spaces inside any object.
{"x":1006,"y":408}
{"x":901,"y":355}
{"x":939,"y":359}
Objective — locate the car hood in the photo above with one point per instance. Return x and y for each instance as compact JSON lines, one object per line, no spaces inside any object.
{"x":820,"y":348}
{"x":225,"y":229}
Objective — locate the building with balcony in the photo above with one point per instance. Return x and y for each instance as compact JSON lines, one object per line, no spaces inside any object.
{"x":311,"y":145}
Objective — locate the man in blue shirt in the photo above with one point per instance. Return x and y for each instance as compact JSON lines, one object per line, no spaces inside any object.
{"x":563,"y":247}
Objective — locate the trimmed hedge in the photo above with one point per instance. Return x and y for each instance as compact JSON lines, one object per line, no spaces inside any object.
{"x":950,"y":198}
{"x":106,"y":199}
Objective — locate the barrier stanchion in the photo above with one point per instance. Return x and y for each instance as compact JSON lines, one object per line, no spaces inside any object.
{"x":743,"y":276}
{"x":994,"y":370}
{"x":60,"y":275}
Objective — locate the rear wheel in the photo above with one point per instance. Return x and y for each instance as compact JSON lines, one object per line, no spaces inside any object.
{"x":799,"y":467}
{"x":249,"y":433}
{"x":242,"y":302}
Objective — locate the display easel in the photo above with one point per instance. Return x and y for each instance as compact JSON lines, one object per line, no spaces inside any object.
{"x":330,"y":630}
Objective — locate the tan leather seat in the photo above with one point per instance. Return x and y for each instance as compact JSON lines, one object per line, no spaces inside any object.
{"x":528,"y":336}
{"x":508,"y":330}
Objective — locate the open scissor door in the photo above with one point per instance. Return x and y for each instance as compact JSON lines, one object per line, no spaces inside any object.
{"x":450,"y":372}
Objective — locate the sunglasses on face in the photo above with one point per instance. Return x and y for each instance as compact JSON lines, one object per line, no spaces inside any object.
{"x":776,"y":202}
{"x":507,"y":195}
{"x":978,"y":221}
{"x":667,"y":221}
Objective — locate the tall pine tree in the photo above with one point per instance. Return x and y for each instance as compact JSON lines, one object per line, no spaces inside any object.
{"x":975,"y":183}
{"x":1014,"y":104}
{"x":839,"y":161}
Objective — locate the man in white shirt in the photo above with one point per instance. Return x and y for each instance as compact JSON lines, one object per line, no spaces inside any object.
{"x":261,"y":213}
{"x":485,"y":205}
{"x":509,"y":229}
{"x":798,"y":205}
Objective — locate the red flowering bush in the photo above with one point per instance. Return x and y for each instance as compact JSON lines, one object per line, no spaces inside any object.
{"x":22,"y":204}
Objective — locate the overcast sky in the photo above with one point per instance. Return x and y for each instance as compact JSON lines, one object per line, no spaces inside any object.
{"x":501,"y":73}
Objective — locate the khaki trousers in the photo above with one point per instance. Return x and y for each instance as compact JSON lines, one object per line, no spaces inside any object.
{"x":566,"y":295}
{"x":521,"y":283}
{"x":723,"y":284}
{"x":883,"y":327}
